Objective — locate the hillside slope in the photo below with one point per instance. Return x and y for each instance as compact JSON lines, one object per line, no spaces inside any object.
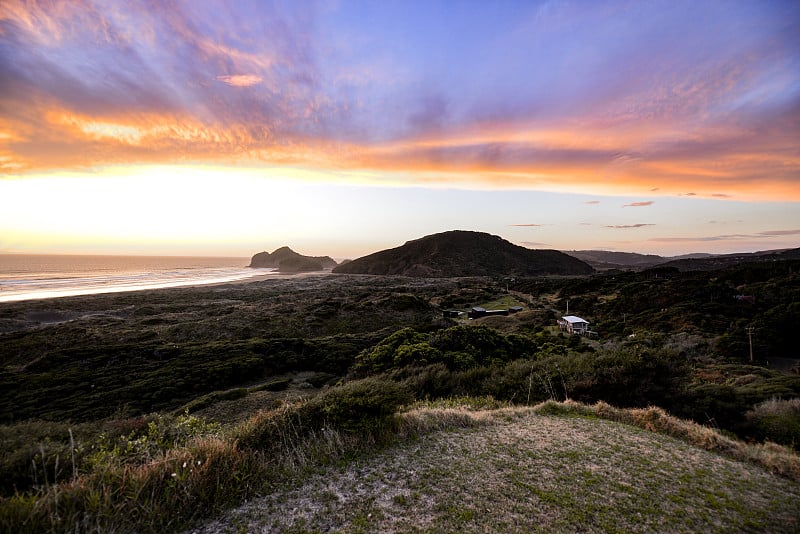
{"x":605,"y":259}
{"x":519,"y":471}
{"x":463,"y":253}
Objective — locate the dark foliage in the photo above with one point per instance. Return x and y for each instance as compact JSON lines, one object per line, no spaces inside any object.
{"x":458,"y":348}
{"x":99,"y":381}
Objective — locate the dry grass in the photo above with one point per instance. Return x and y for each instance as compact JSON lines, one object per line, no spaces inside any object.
{"x":551,"y":468}
{"x":777,"y":459}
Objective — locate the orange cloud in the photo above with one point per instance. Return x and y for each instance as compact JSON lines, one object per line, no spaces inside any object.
{"x":72,"y":140}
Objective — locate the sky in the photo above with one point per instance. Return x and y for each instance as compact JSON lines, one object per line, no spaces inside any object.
{"x":344,"y":127}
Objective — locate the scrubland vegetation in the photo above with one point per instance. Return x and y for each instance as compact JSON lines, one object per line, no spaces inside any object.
{"x":155,"y":410}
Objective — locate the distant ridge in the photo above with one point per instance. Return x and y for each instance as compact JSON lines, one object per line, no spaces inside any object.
{"x":711,"y":263}
{"x":605,"y":259}
{"x":287,"y":260}
{"x":464,"y":253}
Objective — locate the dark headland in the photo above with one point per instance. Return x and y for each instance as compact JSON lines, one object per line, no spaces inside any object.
{"x":464,"y":253}
{"x":287,"y":260}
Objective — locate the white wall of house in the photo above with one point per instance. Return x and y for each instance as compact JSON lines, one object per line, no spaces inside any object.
{"x":574,"y":324}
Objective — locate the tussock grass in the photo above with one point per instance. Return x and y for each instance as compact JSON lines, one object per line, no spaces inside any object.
{"x":171,"y":477}
{"x":161,"y":494}
{"x":163,"y":487}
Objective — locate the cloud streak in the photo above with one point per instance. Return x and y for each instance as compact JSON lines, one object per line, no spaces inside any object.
{"x":639,"y":204}
{"x":241,"y":80}
{"x":622,"y":226}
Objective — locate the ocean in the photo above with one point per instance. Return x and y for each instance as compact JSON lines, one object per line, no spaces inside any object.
{"x":27,"y":276}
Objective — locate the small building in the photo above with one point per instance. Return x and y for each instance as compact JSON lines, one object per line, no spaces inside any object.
{"x":496,"y":312}
{"x":515,"y":309}
{"x":476,"y":312}
{"x":574,"y":325}
{"x":452,"y":314}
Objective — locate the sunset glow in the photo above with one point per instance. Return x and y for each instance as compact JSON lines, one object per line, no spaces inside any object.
{"x":341,"y":128}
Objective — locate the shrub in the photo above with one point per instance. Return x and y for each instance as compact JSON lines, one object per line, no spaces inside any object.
{"x":381,"y":357}
{"x":776,"y":420}
{"x":362,"y":405}
{"x":273,"y":385}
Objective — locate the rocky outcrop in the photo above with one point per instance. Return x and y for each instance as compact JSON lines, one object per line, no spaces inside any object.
{"x":287,"y":260}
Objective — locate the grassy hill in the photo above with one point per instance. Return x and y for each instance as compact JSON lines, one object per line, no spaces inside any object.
{"x":348,"y":461}
{"x":545,"y":469}
{"x":462,"y":253}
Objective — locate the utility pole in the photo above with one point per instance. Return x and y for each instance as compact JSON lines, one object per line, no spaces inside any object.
{"x":749,"y":330}
{"x":567,"y":307}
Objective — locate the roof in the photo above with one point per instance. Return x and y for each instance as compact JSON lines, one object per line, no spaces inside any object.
{"x":574,"y":319}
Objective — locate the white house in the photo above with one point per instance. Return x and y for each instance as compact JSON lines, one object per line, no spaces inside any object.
{"x":574,"y":324}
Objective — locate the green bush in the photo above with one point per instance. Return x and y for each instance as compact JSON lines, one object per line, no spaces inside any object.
{"x":381,"y":357}
{"x":362,"y":405}
{"x":776,"y":420}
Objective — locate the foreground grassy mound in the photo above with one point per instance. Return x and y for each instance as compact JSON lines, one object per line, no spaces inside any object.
{"x":555,"y":467}
{"x":354,"y":454}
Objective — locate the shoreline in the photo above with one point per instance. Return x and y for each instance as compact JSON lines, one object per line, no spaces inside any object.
{"x":45,"y":295}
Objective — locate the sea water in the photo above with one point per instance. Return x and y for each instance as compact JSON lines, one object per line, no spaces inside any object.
{"x":26,"y":276}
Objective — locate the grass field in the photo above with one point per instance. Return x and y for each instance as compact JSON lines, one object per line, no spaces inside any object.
{"x":522,"y":470}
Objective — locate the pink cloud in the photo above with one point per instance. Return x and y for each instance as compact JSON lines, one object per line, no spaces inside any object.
{"x":592,"y":202}
{"x":639,"y":204}
{"x":241,"y":80}
{"x":527,"y":225}
{"x":638,"y":225}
